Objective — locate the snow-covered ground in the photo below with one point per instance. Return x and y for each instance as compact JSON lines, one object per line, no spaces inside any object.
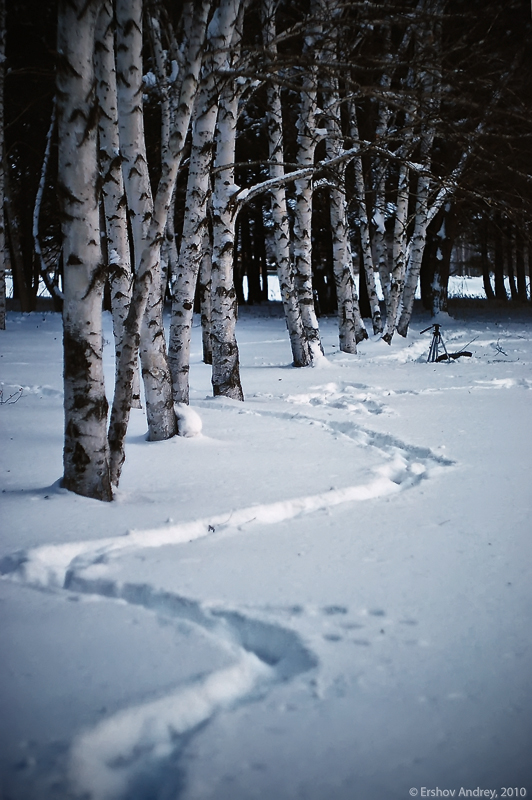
{"x":324,"y":595}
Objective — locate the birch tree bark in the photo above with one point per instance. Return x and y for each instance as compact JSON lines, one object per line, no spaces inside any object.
{"x":380,"y":172}
{"x":281,"y":228}
{"x":350,"y":325}
{"x":367,"y":272}
{"x":120,"y":275}
{"x":147,"y":278}
{"x":380,"y":165}
{"x":168,"y":86}
{"x":399,"y":244}
{"x":398,"y":251}
{"x":225,"y":356}
{"x":195,"y":222}
{"x":430,"y":88}
{"x":86,"y":452}
{"x":155,"y":372}
{"x":308,"y":136}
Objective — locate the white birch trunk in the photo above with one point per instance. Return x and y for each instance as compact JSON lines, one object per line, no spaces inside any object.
{"x":148,"y":272}
{"x":193,"y":237}
{"x":431,"y":92}
{"x":426,"y":108}
{"x":225,"y":357}
{"x":131,"y":122}
{"x":113,"y":193}
{"x":192,"y":242}
{"x":168,"y":88}
{"x":169,"y":254}
{"x":380,"y":171}
{"x":350,"y":324}
{"x":281,"y":229}
{"x":399,"y":245}
{"x":368,"y":271}
{"x":398,"y":251}
{"x":86,"y":452}
{"x":349,"y":319}
{"x":380,"y":166}
{"x":155,"y":372}
{"x":307,"y":139}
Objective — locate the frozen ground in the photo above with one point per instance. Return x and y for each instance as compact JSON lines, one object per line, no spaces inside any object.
{"x":325,"y":595}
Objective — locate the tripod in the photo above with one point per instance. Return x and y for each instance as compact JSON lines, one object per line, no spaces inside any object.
{"x":437,"y":341}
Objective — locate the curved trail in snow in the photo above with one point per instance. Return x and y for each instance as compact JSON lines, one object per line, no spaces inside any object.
{"x":107,"y":760}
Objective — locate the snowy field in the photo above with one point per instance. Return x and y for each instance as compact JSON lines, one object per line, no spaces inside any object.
{"x":326,"y":595}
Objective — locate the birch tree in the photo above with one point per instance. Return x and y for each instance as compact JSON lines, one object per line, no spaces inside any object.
{"x":281,"y":227}
{"x":194,"y":237}
{"x":426,"y":213}
{"x":435,"y":268}
{"x":308,"y":136}
{"x":168,"y":63}
{"x":114,"y":200}
{"x":225,"y":357}
{"x":147,"y":279}
{"x":155,"y":372}
{"x":430,"y":90}
{"x":86,"y":451}
{"x":367,"y":271}
{"x":350,"y":324}
{"x":379,"y":172}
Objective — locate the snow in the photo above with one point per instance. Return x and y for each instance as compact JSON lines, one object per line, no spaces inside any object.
{"x":188,"y":421}
{"x":322,"y":593}
{"x":378,"y":220}
{"x":114,"y":257}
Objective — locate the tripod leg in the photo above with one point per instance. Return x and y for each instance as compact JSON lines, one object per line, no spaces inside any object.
{"x":445,"y":349}
{"x":433,"y":350}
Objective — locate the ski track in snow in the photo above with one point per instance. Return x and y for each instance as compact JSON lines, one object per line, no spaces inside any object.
{"x":110,"y":757}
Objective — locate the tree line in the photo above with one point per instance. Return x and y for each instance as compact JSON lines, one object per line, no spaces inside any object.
{"x":159,"y":151}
